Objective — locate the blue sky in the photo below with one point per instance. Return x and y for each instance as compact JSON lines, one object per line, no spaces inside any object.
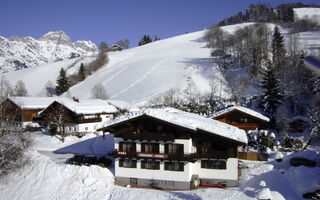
{"x":112,"y":20}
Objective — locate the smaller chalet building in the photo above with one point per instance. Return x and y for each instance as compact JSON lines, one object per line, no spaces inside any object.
{"x":77,"y":117}
{"x":115,"y":47}
{"x":241,"y":117}
{"x":168,"y":148}
{"x":20,"y":111}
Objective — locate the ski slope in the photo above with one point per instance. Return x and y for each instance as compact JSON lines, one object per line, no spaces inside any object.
{"x":137,"y":74}
{"x":134,"y":75}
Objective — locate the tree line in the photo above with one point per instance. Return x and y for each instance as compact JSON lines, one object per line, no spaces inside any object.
{"x":283,"y":14}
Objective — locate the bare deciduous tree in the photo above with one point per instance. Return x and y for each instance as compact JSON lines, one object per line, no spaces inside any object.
{"x":50,"y":89}
{"x":12,"y":140}
{"x":99,"y":92}
{"x":20,"y":89}
{"x":124,"y":43}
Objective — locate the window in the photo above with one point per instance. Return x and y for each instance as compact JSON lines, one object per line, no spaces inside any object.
{"x":243,"y":120}
{"x":133,"y":181}
{"x":206,"y":146}
{"x":127,"y":146}
{"x":174,"y":166}
{"x":213,"y":164}
{"x":174,"y":148}
{"x":86,"y":128}
{"x":150,"y":147}
{"x":127,"y":163}
{"x":74,"y":129}
{"x":150,"y":164}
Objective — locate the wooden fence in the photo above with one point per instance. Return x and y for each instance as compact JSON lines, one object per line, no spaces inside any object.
{"x":253,"y":156}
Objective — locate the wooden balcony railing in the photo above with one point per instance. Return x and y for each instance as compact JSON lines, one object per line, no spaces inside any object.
{"x":146,"y":136}
{"x":161,"y":156}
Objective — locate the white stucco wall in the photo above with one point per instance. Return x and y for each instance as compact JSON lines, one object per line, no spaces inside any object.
{"x":154,"y":174}
{"x":231,"y":173}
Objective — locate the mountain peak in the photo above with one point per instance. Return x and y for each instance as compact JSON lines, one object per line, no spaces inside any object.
{"x":58,"y":37}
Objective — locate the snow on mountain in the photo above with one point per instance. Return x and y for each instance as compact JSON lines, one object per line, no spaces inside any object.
{"x":19,"y":53}
{"x":310,"y":13}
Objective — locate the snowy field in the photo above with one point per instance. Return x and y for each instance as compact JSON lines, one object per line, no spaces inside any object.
{"x":48,"y":177}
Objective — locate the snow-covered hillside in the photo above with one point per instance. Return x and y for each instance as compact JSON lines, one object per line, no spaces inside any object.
{"x":300,"y":13}
{"x":182,"y":62}
{"x":138,"y":74}
{"x":18,"y":53}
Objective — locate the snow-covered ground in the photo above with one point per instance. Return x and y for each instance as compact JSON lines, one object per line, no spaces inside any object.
{"x":48,"y":177}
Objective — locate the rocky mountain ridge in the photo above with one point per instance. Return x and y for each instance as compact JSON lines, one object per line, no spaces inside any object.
{"x":18,"y":53}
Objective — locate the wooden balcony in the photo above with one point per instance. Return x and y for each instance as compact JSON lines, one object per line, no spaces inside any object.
{"x":158,"y":156}
{"x":146,"y":136}
{"x":214,"y":155}
{"x":246,"y":126}
{"x":91,"y":120}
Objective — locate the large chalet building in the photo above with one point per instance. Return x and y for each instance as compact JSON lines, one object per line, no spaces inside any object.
{"x":172,"y":149}
{"x":76,"y":117}
{"x":241,"y":117}
{"x":20,"y":111}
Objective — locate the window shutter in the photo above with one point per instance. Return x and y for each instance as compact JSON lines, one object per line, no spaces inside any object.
{"x":157,"y":148}
{"x":120,"y":146}
{"x":223,"y":164}
{"x":157,"y":165}
{"x":181,"y":166}
{"x":166,"y":148}
{"x":166,"y":166}
{"x":180,"y":148}
{"x":143,"y":164}
{"x":143,"y":148}
{"x":134,"y":147}
{"x":134,"y":163}
{"x":203,"y":163}
{"x":120,"y":163}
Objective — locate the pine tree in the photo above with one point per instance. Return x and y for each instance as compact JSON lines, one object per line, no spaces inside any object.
{"x":272,"y":97}
{"x":145,"y":40}
{"x":62,"y":83}
{"x":81,"y":74}
{"x":278,"y":49}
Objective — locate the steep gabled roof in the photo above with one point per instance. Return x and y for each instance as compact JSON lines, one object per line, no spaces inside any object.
{"x":87,"y":106}
{"x":243,"y":110}
{"x":116,"y":45}
{"x":184,"y":119}
{"x":32,"y":103}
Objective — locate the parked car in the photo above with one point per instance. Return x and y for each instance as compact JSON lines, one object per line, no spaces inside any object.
{"x":104,"y":161}
{"x":76,"y":160}
{"x":297,"y":161}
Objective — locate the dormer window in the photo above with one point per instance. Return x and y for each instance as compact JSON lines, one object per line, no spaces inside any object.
{"x":243,"y":120}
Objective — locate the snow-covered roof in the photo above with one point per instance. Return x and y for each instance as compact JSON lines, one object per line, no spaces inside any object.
{"x":29,"y":103}
{"x":185,"y":119}
{"x":116,"y":45}
{"x":241,"y":109}
{"x":87,"y":106}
